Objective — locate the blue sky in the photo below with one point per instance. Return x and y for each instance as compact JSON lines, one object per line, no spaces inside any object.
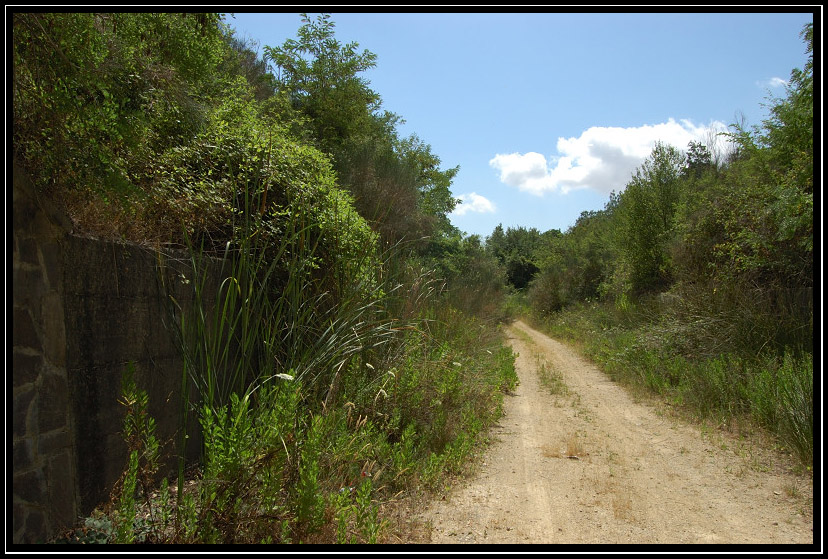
{"x":547,"y":113}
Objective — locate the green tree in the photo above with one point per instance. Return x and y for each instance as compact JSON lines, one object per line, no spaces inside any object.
{"x":321,"y":78}
{"x":789,"y":132}
{"x":699,"y":160}
{"x":397,"y":183}
{"x":434,"y":197}
{"x":647,"y":208}
{"x":744,"y":238}
{"x":766,"y":211}
{"x":244,"y":61}
{"x":517,"y":250}
{"x":575,"y":265}
{"x":592,"y":254}
{"x":96,"y":95}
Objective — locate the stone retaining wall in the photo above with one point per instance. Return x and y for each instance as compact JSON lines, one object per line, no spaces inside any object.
{"x":81,"y":310}
{"x":45,"y":496}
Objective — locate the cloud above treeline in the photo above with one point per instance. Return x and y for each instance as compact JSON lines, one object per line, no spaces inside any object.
{"x":601,"y":158}
{"x":473,"y":202}
{"x":773,"y":83}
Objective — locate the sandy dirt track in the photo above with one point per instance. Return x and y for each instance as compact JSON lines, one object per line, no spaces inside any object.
{"x":589,"y":464}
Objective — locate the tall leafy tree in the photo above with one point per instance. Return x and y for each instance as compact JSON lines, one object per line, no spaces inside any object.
{"x":744,"y":243}
{"x":647,"y":208}
{"x":575,"y":265}
{"x":699,"y":160}
{"x":766,"y":213}
{"x":397,"y":183}
{"x":789,"y":132}
{"x":321,"y":77}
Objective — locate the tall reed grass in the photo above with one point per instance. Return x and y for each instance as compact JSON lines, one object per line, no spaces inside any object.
{"x":305,"y":387}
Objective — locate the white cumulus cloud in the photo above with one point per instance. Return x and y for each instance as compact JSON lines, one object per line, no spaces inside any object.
{"x":601,"y":158}
{"x":473,"y":202}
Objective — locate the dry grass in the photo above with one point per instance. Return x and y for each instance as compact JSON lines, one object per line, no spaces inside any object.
{"x":622,"y":503}
{"x":141,"y":223}
{"x":551,"y":452}
{"x":573,"y":449}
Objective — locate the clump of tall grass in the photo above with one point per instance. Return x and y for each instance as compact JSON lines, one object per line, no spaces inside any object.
{"x":290,"y":459}
{"x":781,"y":392}
{"x":271,"y":333}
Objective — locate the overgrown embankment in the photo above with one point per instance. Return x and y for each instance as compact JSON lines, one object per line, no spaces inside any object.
{"x":340,"y":364}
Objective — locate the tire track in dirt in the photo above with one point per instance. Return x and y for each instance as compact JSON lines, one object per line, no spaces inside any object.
{"x":591,"y":465}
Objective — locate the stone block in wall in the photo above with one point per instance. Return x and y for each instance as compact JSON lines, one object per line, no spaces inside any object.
{"x":54,"y":443}
{"x":41,"y":436}
{"x":28,"y":251}
{"x":22,"y":410}
{"x":27,"y":290}
{"x":30,"y":487}
{"x":29,"y":525}
{"x":26,"y":366}
{"x":52,"y":264}
{"x":22,"y":454}
{"x":24,"y":334}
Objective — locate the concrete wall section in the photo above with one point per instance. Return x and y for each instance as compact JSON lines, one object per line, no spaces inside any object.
{"x":115,"y":315}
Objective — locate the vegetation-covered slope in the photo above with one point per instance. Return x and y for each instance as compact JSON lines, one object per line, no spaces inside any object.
{"x":342,"y":361}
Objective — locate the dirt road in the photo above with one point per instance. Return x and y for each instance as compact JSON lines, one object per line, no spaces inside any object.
{"x":589,"y":464}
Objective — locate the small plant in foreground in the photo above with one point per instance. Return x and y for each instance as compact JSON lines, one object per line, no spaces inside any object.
{"x":143,"y":446}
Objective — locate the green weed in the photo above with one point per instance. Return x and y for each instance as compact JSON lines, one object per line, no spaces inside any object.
{"x":551,"y":378}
